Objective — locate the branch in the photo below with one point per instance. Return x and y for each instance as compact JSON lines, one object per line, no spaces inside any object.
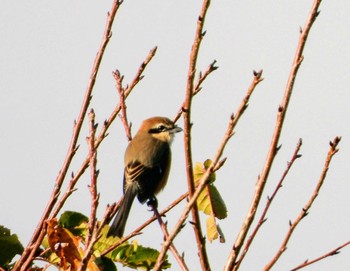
{"x":173,"y":249}
{"x":29,"y":252}
{"x":94,"y":173}
{"x":263,"y":218}
{"x":282,"y":110}
{"x":216,"y":163}
{"x":138,"y":230}
{"x":328,"y":254}
{"x":198,"y":85}
{"x":123,"y":116}
{"x":202,"y":253}
{"x":304,"y":212}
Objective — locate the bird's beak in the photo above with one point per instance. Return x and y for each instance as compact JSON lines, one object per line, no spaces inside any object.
{"x":176,"y":129}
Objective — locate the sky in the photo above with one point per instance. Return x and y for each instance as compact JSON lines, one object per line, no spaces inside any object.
{"x":47,"y":51}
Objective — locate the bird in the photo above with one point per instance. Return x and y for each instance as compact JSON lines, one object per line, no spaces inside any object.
{"x":147,"y":162}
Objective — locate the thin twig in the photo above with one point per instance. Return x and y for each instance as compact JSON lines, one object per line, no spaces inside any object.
{"x":282,"y":110}
{"x":304,"y":212}
{"x":123,"y":116}
{"x":145,"y":224}
{"x":201,"y":245}
{"x":328,"y":254}
{"x":173,"y":249}
{"x":216,"y":163}
{"x":29,"y":252}
{"x":93,"y":186}
{"x":263,"y":218}
{"x":95,"y":236}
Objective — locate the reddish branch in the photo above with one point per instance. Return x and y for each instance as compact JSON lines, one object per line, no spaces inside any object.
{"x":328,"y":254}
{"x":121,"y":91}
{"x":282,"y":110}
{"x":263,"y":218}
{"x":304,"y":212}
{"x":202,"y":253}
{"x":29,"y":252}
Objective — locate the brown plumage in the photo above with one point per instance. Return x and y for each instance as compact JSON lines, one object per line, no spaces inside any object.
{"x":147,"y":163}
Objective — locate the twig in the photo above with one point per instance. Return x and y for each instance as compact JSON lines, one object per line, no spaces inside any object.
{"x":282,"y":110}
{"x":121,"y":91}
{"x":29,"y":252}
{"x":263,"y":218}
{"x":304,"y":212}
{"x":328,"y":254}
{"x":95,"y":236}
{"x":94,"y":173}
{"x":173,"y":249}
{"x":216,"y":163}
{"x":202,"y":253}
{"x":145,"y":224}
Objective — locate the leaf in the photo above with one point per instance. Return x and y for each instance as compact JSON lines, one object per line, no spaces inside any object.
{"x":200,"y":169}
{"x":209,"y":200}
{"x":137,"y":257}
{"x":212,"y":230}
{"x":9,"y":246}
{"x":64,"y":244}
{"x":75,"y":222}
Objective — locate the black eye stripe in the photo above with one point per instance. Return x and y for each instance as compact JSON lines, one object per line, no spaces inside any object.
{"x":160,"y":128}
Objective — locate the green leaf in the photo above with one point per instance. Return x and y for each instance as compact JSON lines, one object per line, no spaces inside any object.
{"x":75,"y":222}
{"x":137,"y":257}
{"x":9,"y":246}
{"x":105,"y":263}
{"x":71,"y":219}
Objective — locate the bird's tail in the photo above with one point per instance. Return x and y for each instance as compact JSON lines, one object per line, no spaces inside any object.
{"x":118,"y":225}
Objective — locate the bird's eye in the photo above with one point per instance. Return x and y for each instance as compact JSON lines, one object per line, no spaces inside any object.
{"x":161,"y":128}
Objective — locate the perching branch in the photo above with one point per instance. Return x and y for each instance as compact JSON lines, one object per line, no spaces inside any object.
{"x":282,"y":110}
{"x":304,"y":212}
{"x":173,"y":249}
{"x":138,"y":230}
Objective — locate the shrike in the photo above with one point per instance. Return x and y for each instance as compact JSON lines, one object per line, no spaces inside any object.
{"x":147,"y":163}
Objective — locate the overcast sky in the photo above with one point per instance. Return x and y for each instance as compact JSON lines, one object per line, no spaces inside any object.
{"x":47,"y":51}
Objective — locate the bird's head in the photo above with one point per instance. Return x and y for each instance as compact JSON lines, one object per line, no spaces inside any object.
{"x":160,"y":128}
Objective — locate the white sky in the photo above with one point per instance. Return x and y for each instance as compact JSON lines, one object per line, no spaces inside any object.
{"x":47,"y":50}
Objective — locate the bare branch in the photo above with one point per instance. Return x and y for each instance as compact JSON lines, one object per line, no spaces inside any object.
{"x":282,"y":110}
{"x":94,"y":173}
{"x":123,"y":116}
{"x":173,"y":249}
{"x":28,"y":254}
{"x":328,"y":254}
{"x":202,"y":253}
{"x":263,"y":218}
{"x":332,"y":151}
